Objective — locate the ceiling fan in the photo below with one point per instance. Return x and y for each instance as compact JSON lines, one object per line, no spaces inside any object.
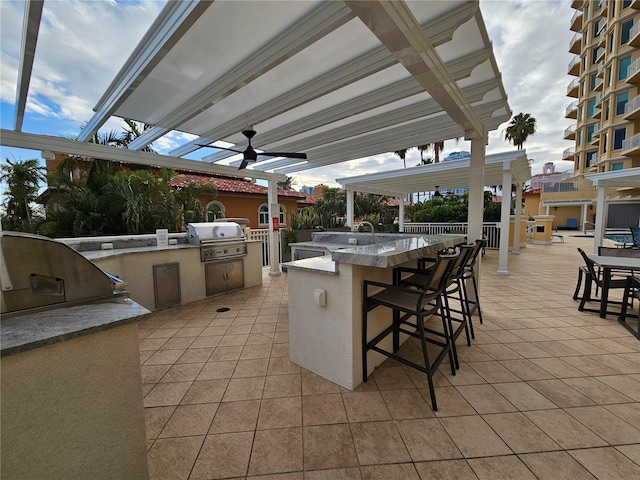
{"x":250,"y":155}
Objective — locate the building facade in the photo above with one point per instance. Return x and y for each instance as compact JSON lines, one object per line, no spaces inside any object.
{"x":606,"y":67}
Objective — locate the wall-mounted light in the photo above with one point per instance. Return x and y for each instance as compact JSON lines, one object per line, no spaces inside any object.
{"x":437,"y":192}
{"x":555,"y":208}
{"x":591,"y":207}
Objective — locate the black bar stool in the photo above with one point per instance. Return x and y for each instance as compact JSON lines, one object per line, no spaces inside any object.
{"x":405,"y":303}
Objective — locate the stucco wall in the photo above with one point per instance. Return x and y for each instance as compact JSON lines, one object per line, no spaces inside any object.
{"x":74,"y":410}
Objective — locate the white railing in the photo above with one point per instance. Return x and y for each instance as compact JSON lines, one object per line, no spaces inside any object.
{"x":575,"y":16}
{"x":631,"y":142}
{"x":570,"y":108}
{"x":491,"y":230}
{"x":568,"y":152}
{"x":261,"y":234}
{"x":632,"y":105}
{"x":569,"y":131}
{"x":575,"y":83}
{"x":574,"y":61}
{"x":633,"y":69}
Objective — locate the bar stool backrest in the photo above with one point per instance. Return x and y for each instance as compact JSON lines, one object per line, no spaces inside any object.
{"x":473,"y":255}
{"x":436,"y":281}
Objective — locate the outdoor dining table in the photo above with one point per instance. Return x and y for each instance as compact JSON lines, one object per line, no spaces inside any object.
{"x":607,"y":263}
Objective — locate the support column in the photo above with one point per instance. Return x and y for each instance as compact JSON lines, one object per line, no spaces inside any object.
{"x":476,"y":189}
{"x":274,"y":236}
{"x":583,"y":213}
{"x":401,"y":213}
{"x":518,"y":219}
{"x":503,"y":256}
{"x":349,"y":193}
{"x":601,"y":221}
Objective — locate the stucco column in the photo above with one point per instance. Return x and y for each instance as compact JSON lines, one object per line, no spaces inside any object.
{"x":476,"y":189}
{"x":349,"y":194}
{"x":518,"y":219}
{"x":601,"y":221}
{"x":401,"y":213}
{"x":274,"y":236}
{"x":503,"y":256}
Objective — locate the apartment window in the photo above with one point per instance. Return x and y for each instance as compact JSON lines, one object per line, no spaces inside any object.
{"x":625,"y":29}
{"x":623,"y":67}
{"x":592,"y":107}
{"x":626,"y":3}
{"x":617,"y":166}
{"x":577,"y":165}
{"x":592,"y":81}
{"x":619,"y":134}
{"x":590,"y":130}
{"x":263,"y":215}
{"x":215,"y":210}
{"x":603,"y":142}
{"x":594,"y":55}
{"x":592,"y":157}
{"x":581,"y":113}
{"x":621,"y":102}
{"x":608,"y":76}
{"x":606,"y":110}
{"x":579,"y":138}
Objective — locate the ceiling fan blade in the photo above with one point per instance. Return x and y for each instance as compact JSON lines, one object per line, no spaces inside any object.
{"x":221,"y":148}
{"x":244,"y":164}
{"x":302,"y":156}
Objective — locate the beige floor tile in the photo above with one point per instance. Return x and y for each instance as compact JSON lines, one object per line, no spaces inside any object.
{"x":352,"y":473}
{"x":624,"y":384}
{"x":282,"y":366}
{"x":618,"y":363}
{"x":597,"y":391}
{"x":528,"y":350}
{"x":236,"y":417}
{"x":590,"y":366}
{"x":189,"y":420}
{"x":561,"y":394}
{"x":472,"y":354}
{"x":223,"y":353}
{"x":473,"y":437}
{"x":238,"y":328}
{"x":606,"y":425}
{"x":554,"y":347}
{"x":182,"y":372}
{"x":276,"y":451}
{"x":223,"y":455}
{"x":402,"y":471}
{"x":280,"y":350}
{"x":493,"y":372}
{"x":328,"y":447}
{"x":406,"y":403}
{"x":217,"y":370}
{"x":173,"y":458}
{"x":558,"y":367}
{"x":206,"y":342}
{"x":564,"y":429}
{"x":153,"y":373}
{"x":499,"y":352}
{"x":520,"y":433}
{"x":500,"y":468}
{"x":282,"y":386}
{"x":606,"y":463}
{"x":155,"y":420}
{"x":244,"y":389}
{"x":450,"y":402}
{"x":632,"y":452}
{"x":178,"y":342}
{"x":447,"y":469}
{"x":427,"y":440}
{"x":251,"y":368}
{"x":280,"y":413}
{"x":630,"y":412}
{"x":523,"y":396}
{"x":313,"y":384}
{"x":392,"y":378}
{"x":464,"y":376}
{"x":250,"y":352}
{"x":555,"y":466}
{"x":485,"y":399}
{"x":195,"y":355}
{"x":323,"y":409}
{"x":365,"y":407}
{"x":164,"y":357}
{"x":164,"y":394}
{"x":205,"y":391}
{"x":378,"y":442}
{"x":278,"y":476}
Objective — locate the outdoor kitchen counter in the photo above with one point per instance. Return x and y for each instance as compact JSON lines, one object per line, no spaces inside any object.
{"x":28,"y":331}
{"x":325,"y":302}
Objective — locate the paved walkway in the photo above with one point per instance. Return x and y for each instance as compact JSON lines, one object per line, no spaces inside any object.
{"x":544,"y":392}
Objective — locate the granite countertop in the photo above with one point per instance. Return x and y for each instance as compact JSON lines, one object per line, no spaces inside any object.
{"x":29,"y":331}
{"x":98,"y":254}
{"x":322,"y":264}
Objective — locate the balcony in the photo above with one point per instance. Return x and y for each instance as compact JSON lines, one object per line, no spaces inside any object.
{"x":634,"y":35}
{"x":571,"y":110}
{"x":568,"y":154}
{"x":632,"y":109}
{"x":600,"y":54}
{"x":635,"y":4}
{"x":631,"y":146}
{"x":573,"y":87}
{"x":633,"y":76}
{"x":593,"y":160}
{"x":574,"y":67}
{"x":598,"y":98}
{"x":575,"y":45}
{"x":600,"y":73}
{"x":602,"y":11}
{"x":598,"y":86}
{"x":576,"y":21}
{"x":570,"y":133}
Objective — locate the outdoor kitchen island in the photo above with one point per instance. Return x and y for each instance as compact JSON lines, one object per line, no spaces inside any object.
{"x":325,"y":299}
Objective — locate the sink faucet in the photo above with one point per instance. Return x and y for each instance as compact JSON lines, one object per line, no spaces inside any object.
{"x":372,"y":230}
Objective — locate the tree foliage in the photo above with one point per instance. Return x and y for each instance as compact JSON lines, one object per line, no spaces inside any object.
{"x":519,"y":129}
{"x":22,"y":179}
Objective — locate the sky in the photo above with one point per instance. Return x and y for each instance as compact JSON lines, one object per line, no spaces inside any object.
{"x":82,"y":45}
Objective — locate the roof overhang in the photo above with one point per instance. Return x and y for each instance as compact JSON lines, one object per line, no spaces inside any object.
{"x":629,"y":177}
{"x":444,"y":175}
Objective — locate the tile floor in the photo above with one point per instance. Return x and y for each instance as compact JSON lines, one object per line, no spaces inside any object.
{"x":544,"y":392}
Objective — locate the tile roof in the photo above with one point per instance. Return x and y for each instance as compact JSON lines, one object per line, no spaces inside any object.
{"x":229,"y":184}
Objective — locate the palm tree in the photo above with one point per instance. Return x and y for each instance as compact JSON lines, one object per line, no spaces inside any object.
{"x":519,"y":129}
{"x":403,"y":155}
{"x":437,"y":148}
{"x":287,"y":184}
{"x":422,"y":148}
{"x":23,"y":179}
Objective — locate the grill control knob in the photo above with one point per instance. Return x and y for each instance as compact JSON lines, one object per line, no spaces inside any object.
{"x":225,"y":251}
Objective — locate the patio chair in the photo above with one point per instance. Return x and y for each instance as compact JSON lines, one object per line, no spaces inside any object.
{"x":635,"y":237}
{"x":453,"y":291}
{"x":406,"y":303}
{"x":631,"y":293}
{"x":593,"y":277}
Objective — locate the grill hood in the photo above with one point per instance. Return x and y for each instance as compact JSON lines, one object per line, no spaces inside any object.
{"x":40,"y":273}
{"x":211,"y":232}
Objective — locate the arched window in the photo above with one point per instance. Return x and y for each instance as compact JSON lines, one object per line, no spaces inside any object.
{"x":263,"y":215}
{"x":215,"y":210}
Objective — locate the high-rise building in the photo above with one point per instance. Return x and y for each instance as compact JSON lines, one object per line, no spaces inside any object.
{"x":606,"y":67}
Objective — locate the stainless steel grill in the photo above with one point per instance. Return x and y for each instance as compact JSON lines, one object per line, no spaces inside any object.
{"x":217,"y":240}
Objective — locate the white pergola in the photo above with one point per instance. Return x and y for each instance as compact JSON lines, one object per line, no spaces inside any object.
{"x":338,"y":80}
{"x":506,"y":169}
{"x":629,"y":177}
